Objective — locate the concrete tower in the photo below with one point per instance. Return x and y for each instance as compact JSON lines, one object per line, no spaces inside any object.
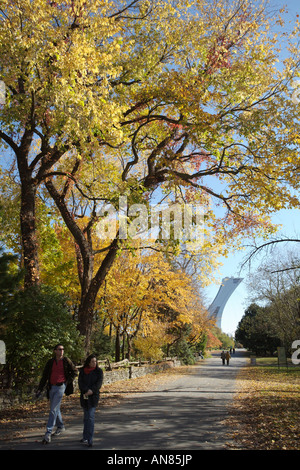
{"x":229,"y":284}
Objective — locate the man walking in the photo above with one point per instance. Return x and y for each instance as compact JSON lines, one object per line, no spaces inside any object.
{"x":58,"y":375}
{"x":223,"y":357}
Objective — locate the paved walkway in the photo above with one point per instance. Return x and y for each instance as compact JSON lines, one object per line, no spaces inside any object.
{"x":187,"y":413}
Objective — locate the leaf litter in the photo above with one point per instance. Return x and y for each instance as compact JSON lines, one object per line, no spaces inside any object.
{"x":265,"y":413}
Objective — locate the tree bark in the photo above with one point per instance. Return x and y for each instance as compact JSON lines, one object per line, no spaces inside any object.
{"x":27,"y":214}
{"x":90,"y":284}
{"x":29,"y":237}
{"x":29,"y":184}
{"x":88,"y":297}
{"x":117,"y":345}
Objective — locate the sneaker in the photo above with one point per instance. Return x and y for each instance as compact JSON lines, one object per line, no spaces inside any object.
{"x":84,"y":441}
{"x":47,"y":438}
{"x":59,"y":431}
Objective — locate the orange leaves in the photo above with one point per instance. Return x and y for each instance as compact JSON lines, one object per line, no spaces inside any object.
{"x":219,"y":55}
{"x":213,"y":341}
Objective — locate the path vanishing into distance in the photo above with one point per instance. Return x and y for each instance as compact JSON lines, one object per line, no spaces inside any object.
{"x":184,"y":412}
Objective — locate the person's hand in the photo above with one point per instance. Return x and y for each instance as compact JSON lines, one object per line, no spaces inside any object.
{"x":87,"y":394}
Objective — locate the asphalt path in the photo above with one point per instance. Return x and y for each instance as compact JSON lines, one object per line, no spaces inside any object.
{"x":185,"y":413}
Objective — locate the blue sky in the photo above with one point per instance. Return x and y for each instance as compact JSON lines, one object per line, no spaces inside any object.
{"x":239,"y":300}
{"x":290,"y":221}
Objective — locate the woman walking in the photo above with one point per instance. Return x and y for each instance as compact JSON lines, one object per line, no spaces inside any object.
{"x":90,"y":380}
{"x":227,"y":357}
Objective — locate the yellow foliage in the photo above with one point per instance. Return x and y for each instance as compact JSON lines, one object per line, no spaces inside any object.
{"x":145,"y":297}
{"x":107,"y":98}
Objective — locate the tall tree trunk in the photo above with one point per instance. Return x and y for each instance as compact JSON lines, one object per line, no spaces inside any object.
{"x":88,"y":297}
{"x":90,"y":284}
{"x":31,"y":173}
{"x":117,"y":345}
{"x":28,"y":233}
{"x":129,"y":347}
{"x":27,"y":212}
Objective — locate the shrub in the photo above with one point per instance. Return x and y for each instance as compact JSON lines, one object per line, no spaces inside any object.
{"x":36,"y":319}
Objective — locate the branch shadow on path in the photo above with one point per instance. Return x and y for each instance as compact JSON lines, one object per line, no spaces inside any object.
{"x":186,"y":413}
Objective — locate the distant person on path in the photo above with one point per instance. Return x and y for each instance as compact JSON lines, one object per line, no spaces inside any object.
{"x":223,"y":357}
{"x":90,"y":381}
{"x":227,"y":355}
{"x":58,"y":375}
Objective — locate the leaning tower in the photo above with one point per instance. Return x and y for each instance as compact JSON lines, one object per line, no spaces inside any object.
{"x":229,"y":284}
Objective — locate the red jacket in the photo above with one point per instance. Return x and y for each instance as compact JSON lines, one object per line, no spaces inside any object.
{"x":69,"y":371}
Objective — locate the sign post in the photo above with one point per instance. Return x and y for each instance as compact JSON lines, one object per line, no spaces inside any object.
{"x":253,"y":359}
{"x":282,"y":360}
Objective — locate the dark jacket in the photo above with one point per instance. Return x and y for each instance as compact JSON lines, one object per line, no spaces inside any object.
{"x":92,"y":381}
{"x":70,"y":373}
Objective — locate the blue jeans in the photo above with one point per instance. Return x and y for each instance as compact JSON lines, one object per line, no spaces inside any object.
{"x":55,"y":395}
{"x":88,"y":424}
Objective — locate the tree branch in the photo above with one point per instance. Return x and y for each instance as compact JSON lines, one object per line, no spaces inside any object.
{"x":9,"y":141}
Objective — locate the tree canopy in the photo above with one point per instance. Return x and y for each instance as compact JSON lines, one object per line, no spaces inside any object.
{"x":182,"y":100}
{"x":256,"y":331}
{"x":274,"y":288}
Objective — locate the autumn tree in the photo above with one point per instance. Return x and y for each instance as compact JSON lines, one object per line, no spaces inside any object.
{"x":52,"y":59}
{"x":127,"y":98}
{"x":140,"y":292}
{"x":203,"y":119}
{"x":213,"y":342}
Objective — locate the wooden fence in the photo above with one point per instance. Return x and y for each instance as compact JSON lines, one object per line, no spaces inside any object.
{"x":113,"y":372}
